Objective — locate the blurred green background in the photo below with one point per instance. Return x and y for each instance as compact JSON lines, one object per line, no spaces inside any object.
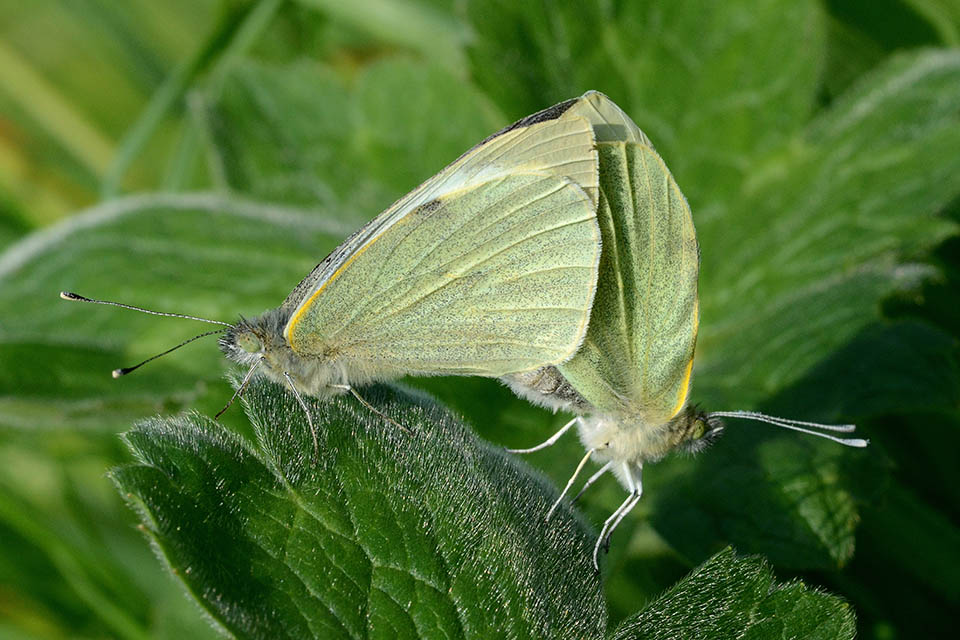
{"x":201,"y":156}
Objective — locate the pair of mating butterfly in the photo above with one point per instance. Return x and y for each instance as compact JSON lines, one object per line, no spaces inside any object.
{"x":558,"y":255}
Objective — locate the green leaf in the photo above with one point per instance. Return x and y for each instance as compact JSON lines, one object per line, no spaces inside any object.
{"x":830,"y":236}
{"x":423,"y":26}
{"x":711,"y":84}
{"x":70,"y":554}
{"x":943,"y":16}
{"x":384,"y":534}
{"x":850,"y":53}
{"x":12,"y":224}
{"x":731,"y":597}
{"x":887,"y":368}
{"x":73,"y":76}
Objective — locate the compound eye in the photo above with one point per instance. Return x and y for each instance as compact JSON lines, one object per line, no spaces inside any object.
{"x":699,"y":429}
{"x":249,"y":342}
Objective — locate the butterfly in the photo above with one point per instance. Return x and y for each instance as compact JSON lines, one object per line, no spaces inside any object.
{"x":629,"y":382}
{"x":488,"y":268}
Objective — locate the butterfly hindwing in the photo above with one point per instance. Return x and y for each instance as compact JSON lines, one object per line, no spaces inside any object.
{"x":637,"y":356}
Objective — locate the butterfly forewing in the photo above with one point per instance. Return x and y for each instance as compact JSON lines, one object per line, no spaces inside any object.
{"x":609,"y":122}
{"x":487,"y":280}
{"x":552,"y":142}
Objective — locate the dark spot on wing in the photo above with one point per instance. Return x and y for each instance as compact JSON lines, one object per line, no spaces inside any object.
{"x":430,"y":207}
{"x":550,"y":113}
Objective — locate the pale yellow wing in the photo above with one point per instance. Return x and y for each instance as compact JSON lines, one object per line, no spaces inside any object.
{"x":609,"y":122}
{"x":490,"y":279}
{"x":556,"y":141}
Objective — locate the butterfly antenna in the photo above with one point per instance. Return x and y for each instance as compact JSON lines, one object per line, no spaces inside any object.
{"x":67,"y":295}
{"x":125,"y":370}
{"x":798,"y":425}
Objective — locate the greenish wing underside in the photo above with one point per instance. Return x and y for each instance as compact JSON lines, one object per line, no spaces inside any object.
{"x":491,"y":279}
{"x":563,"y":146}
{"x":635,"y":357}
{"x":609,"y":122}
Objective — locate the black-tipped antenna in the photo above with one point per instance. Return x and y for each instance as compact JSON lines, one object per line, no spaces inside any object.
{"x":125,"y":370}
{"x":797,"y":425}
{"x":67,"y":295}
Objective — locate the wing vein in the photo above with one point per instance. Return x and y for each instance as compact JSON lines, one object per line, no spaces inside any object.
{"x":476,"y":264}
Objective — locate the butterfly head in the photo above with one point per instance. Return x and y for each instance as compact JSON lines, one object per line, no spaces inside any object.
{"x":697,"y":430}
{"x":256,"y":340}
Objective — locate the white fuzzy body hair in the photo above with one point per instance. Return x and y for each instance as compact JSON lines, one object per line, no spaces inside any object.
{"x":631,"y":440}
{"x":311,"y":375}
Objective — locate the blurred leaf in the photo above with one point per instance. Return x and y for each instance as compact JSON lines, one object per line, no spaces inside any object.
{"x":929,"y":543}
{"x":943,"y":16}
{"x":75,"y":74}
{"x":835,"y":219}
{"x":906,"y":540}
{"x":368,"y":538}
{"x":731,"y":597}
{"x":81,"y":138}
{"x":887,"y":368}
{"x":296,"y":134}
{"x":789,"y":498}
{"x":863,"y":32}
{"x":711,"y":84}
{"x":850,"y":54}
{"x":894,"y":24}
{"x":238,"y":25}
{"x":76,"y":565}
{"x":527,"y":58}
{"x":424,"y":26}
{"x":12,"y":225}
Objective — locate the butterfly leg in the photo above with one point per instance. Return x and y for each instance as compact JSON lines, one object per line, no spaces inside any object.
{"x":570,"y":482}
{"x":549,"y":441}
{"x":313,"y":430}
{"x":353,"y":392}
{"x":591,"y":480}
{"x":239,"y":392}
{"x":637,"y":492}
{"x":635,"y":487}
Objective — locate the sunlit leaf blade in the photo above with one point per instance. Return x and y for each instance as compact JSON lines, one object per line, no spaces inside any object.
{"x":738,"y":597}
{"x":384,"y":534}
